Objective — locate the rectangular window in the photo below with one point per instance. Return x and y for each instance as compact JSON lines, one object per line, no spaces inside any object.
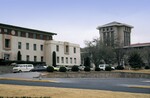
{"x":74,"y":49}
{"x":27,"y":35}
{"x":0,"y":30}
{"x":67,"y":48}
{"x":41,"y":47}
{"x":67,"y":60}
{"x":62,"y":59}
{"x":34,"y":36}
{"x":75,"y":61}
{"x":28,"y":58}
{"x":34,"y":46}
{"x":7,"y":43}
{"x":27,"y":46}
{"x":41,"y":36}
{"x":57,"y":48}
{"x":35,"y":58}
{"x":57,"y":59}
{"x":42,"y":58}
{"x":70,"y":60}
{"x":19,"y":33}
{"x":5,"y":30}
{"x":19,"y":45}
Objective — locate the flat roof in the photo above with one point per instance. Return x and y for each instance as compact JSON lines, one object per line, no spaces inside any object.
{"x":138,"y":45}
{"x":114,"y":24}
{"x":26,"y":29}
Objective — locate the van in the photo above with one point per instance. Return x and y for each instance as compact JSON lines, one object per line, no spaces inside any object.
{"x":23,"y":67}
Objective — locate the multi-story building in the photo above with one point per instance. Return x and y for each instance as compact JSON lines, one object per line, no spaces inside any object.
{"x":36,"y":45}
{"x":115,"y":34}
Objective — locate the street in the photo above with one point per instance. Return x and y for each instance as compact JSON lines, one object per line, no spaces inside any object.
{"x":110,"y":84}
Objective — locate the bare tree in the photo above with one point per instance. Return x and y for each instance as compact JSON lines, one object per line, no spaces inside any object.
{"x":98,"y":51}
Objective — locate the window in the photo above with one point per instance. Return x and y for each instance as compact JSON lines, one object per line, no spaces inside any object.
{"x":107,"y":29}
{"x":47,"y":37}
{"x":19,"y":45}
{"x":57,"y":59}
{"x":67,"y":49}
{"x":5,"y":30}
{"x":42,"y":58}
{"x":7,"y":43}
{"x":41,"y":47}
{"x":67,"y":60}
{"x":28,"y":58}
{"x":35,"y":58}
{"x":27,"y":46}
{"x":27,"y":35}
{"x":112,"y":38}
{"x":34,"y":46}
{"x":41,"y":36}
{"x":103,"y":29}
{"x":62,"y":59}
{"x":57,"y":48}
{"x":75,"y":61}
{"x":70,"y":60}
{"x":74,"y":49}
{"x":19,"y":33}
{"x":6,"y":56}
{"x":34,"y":36}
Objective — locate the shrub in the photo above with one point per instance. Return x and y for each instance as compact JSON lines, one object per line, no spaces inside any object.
{"x":108,"y":68}
{"x":50,"y":69}
{"x":75,"y":68}
{"x":119,"y":68}
{"x":147,"y":67}
{"x":135,"y":60}
{"x":97,"y":69}
{"x":62,"y":69}
{"x":87,"y":69}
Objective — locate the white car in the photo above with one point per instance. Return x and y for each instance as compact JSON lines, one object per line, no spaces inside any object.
{"x":103,"y":66}
{"x":23,"y":67}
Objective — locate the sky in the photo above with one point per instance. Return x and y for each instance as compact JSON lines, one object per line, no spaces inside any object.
{"x":76,"y":20}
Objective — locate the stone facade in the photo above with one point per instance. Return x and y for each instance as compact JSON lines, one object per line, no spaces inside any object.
{"x":36,"y":45}
{"x":115,"y":34}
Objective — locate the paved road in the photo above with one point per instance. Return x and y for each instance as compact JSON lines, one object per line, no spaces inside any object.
{"x":111,"y":84}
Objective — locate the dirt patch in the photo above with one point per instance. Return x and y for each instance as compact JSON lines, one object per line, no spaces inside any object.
{"x":29,"y":91}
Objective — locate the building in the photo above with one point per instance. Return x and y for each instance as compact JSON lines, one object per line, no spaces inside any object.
{"x":35,"y":45}
{"x":115,"y":34}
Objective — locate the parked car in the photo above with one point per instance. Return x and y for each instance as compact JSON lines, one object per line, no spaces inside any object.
{"x":39,"y":68}
{"x":81,"y":68}
{"x":103,"y":66}
{"x":23,"y":67}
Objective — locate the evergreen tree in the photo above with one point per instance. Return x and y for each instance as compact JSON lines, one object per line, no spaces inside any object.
{"x":135,"y":60}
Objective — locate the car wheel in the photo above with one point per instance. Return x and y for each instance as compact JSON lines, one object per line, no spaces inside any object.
{"x":20,"y":71}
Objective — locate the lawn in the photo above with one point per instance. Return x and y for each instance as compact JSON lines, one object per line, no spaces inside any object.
{"x":34,"y":91}
{"x":134,"y":71}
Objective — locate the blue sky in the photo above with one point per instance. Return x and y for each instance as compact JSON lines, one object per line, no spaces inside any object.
{"x":76,"y":20}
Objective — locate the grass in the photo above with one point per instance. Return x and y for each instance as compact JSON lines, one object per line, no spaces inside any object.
{"x":51,"y":92}
{"x":134,"y":71}
{"x":27,"y":80}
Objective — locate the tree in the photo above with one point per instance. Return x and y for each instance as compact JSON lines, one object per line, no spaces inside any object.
{"x":87,"y":62}
{"x":54,"y":58}
{"x":98,"y":52}
{"x":146,"y":55}
{"x":19,"y":56}
{"x":135,"y":60}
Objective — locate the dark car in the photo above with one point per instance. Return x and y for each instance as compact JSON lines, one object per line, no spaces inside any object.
{"x":39,"y":68}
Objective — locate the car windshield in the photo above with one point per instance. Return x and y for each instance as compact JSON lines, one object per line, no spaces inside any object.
{"x":16,"y":65}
